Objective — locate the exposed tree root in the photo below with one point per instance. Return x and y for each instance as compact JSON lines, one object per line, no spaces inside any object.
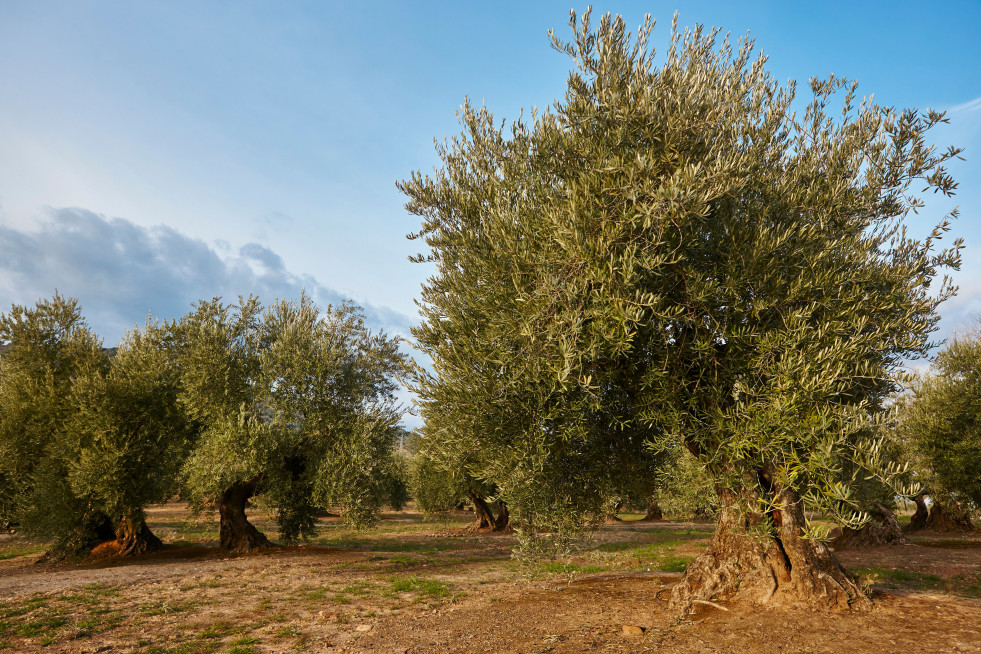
{"x":882,"y":529}
{"x":753,"y":561}
{"x":235,"y":532}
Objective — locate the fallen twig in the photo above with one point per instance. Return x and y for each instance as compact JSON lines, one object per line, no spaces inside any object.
{"x":718,"y":606}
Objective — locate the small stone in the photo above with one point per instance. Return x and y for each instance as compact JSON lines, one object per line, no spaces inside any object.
{"x":632,"y":630}
{"x":363,"y":627}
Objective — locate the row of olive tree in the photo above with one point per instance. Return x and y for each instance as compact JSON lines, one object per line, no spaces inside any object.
{"x":230,"y":401}
{"x":673,"y":256}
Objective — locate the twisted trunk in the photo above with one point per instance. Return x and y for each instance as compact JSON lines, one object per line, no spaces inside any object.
{"x":654,"y":512}
{"x":882,"y":529}
{"x":918,"y":520}
{"x":765,"y":559}
{"x":503,"y":520}
{"x":485,"y":519}
{"x":235,"y":532}
{"x":948,"y":518}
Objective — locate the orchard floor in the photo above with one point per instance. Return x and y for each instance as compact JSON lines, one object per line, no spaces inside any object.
{"x":415,"y":586}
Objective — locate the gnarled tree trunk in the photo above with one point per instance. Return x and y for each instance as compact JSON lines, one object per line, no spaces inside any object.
{"x":919,"y":518}
{"x":235,"y":532}
{"x":503,"y":520}
{"x":764,"y":559}
{"x":882,"y":529}
{"x":950,"y":518}
{"x":132,"y":537}
{"x":485,"y":519}
{"x":654,"y":512}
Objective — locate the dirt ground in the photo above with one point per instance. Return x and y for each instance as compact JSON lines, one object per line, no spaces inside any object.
{"x":416,"y":586}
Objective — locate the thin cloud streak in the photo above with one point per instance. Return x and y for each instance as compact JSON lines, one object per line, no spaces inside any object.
{"x":121,"y":272}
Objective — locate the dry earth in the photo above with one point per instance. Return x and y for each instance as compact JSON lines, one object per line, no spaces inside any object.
{"x":413,"y":586}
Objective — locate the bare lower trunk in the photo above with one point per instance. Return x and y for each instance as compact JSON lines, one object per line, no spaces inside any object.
{"x":948,"y":518}
{"x":919,"y":518}
{"x":133,"y":537}
{"x":764,"y":559}
{"x":882,"y":529}
{"x":485,"y":519}
{"x":503,"y":520}
{"x":235,"y":532}
{"x":654,"y":512}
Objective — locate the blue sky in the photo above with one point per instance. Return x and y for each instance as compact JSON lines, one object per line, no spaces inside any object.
{"x":154,"y":153}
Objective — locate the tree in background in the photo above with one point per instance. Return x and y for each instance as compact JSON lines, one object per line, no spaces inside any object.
{"x":49,"y":345}
{"x":128,"y":438}
{"x":295,"y":404}
{"x":940,"y":428}
{"x":672,"y":257}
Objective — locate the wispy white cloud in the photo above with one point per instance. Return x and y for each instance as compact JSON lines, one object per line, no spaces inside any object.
{"x":121,"y":271}
{"x":970,"y":105}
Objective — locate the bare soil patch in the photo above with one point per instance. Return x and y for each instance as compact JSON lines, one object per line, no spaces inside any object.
{"x":416,"y":586}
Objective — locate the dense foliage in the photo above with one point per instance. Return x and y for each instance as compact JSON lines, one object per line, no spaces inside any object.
{"x":232,"y":401}
{"x":941,"y":424}
{"x":673,"y":257}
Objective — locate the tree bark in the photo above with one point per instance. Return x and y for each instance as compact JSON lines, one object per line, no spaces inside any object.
{"x":503,"y":520}
{"x":485,"y":519}
{"x":764,"y":559}
{"x":654,"y":512}
{"x":951,"y":518}
{"x":919,"y":518}
{"x":882,"y":529}
{"x":132,"y":537}
{"x":235,"y":532}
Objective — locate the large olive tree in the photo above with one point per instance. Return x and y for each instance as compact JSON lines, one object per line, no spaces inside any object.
{"x":672,"y":256}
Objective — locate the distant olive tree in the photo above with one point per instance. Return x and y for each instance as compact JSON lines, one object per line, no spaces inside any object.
{"x":49,"y":345}
{"x":294,"y":403}
{"x":940,"y":429}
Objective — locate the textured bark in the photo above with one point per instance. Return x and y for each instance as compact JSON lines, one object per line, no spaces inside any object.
{"x":503,"y":520}
{"x":764,"y":559}
{"x":235,"y":532}
{"x":882,"y":529}
{"x":949,"y":518}
{"x":654,"y":512}
{"x":918,"y":520}
{"x":485,"y":519}
{"x":132,"y":537}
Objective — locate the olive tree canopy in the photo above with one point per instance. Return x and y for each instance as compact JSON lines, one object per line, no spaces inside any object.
{"x":671,"y":256}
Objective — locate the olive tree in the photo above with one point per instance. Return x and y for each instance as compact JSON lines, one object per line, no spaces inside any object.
{"x":128,"y":436}
{"x":294,"y":403}
{"x":672,"y":256}
{"x":940,"y":429}
{"x":48,"y":346}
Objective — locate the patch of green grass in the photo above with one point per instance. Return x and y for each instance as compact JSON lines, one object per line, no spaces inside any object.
{"x":906,"y":579}
{"x":288,"y":632}
{"x":183,"y":648}
{"x":14,"y":551}
{"x":165,"y":607}
{"x":41,"y":626}
{"x":672,"y":563}
{"x":220,"y":629}
{"x":414,"y":584}
{"x":243,"y":649}
{"x":557,"y":567}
